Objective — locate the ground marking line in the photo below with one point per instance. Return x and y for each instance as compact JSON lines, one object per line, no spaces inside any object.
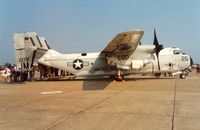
{"x":51,"y":92}
{"x":174,"y":106}
{"x":86,"y":109}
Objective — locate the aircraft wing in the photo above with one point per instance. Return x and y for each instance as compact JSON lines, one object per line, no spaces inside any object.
{"x":125,"y":41}
{"x":118,"y":52}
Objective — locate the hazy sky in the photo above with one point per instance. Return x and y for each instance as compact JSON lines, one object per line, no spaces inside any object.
{"x":88,"y":25}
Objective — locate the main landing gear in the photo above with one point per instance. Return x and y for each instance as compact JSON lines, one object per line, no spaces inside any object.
{"x":119,"y":76}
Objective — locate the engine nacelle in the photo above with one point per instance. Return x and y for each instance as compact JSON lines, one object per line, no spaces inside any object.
{"x":137,"y":64}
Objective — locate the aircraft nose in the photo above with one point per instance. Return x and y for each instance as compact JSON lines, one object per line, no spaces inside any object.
{"x":191,"y":61}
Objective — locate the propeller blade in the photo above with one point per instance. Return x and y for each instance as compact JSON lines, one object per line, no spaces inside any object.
{"x":158,"y":46}
{"x":155,"y":42}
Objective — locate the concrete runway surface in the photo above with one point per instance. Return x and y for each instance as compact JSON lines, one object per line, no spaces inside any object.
{"x":135,"y":104}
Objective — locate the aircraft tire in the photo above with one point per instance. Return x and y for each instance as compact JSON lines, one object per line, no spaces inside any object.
{"x":183,"y":76}
{"x":119,"y":78}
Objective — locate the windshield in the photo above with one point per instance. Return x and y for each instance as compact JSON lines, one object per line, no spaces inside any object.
{"x":176,"y":52}
{"x":182,"y":52}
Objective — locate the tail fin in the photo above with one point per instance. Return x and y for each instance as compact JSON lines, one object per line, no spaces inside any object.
{"x":28,"y":49}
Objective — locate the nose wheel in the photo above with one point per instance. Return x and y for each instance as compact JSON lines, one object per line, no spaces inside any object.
{"x":183,"y":76}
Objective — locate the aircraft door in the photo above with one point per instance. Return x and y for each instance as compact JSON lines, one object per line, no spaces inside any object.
{"x":166,"y":60}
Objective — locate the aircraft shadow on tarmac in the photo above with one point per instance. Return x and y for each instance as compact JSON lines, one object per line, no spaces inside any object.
{"x":102,"y":83}
{"x":88,"y":83}
{"x":96,"y":84}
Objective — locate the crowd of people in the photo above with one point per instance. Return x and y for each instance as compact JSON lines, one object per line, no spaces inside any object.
{"x":11,"y":74}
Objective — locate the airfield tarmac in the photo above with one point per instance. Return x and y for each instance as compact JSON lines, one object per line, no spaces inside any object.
{"x":135,"y":104}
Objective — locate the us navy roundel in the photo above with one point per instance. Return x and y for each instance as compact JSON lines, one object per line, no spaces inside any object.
{"x":77,"y":64}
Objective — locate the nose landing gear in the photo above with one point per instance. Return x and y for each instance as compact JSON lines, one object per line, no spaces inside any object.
{"x":185,"y":73}
{"x":183,"y":76}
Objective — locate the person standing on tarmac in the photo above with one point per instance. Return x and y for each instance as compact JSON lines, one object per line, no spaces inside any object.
{"x":198,"y":69}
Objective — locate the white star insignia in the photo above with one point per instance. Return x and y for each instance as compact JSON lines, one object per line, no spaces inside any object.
{"x":78,"y":64}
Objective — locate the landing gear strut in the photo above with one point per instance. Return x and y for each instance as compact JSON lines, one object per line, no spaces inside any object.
{"x":119,"y":76}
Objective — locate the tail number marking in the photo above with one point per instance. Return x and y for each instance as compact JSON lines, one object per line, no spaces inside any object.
{"x":123,"y":57}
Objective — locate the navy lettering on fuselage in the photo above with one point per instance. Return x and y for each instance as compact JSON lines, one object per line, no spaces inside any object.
{"x":105,"y":68}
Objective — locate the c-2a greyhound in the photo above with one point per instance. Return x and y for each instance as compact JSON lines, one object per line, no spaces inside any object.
{"x":123,"y":56}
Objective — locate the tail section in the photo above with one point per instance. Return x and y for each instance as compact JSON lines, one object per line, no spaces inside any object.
{"x":28,"y":49}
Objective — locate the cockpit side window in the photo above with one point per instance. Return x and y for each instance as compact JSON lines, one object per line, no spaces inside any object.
{"x":182,"y":52}
{"x":176,"y":52}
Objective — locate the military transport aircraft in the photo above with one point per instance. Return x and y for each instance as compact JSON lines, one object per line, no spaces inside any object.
{"x":123,"y":56}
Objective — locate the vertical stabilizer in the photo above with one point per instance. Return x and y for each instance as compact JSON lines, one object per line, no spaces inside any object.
{"x":28,"y":49}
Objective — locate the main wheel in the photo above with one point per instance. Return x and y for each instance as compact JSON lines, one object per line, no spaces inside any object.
{"x":118,"y":78}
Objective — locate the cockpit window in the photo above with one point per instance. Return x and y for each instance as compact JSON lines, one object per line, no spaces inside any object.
{"x":176,"y":52}
{"x":183,"y":53}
